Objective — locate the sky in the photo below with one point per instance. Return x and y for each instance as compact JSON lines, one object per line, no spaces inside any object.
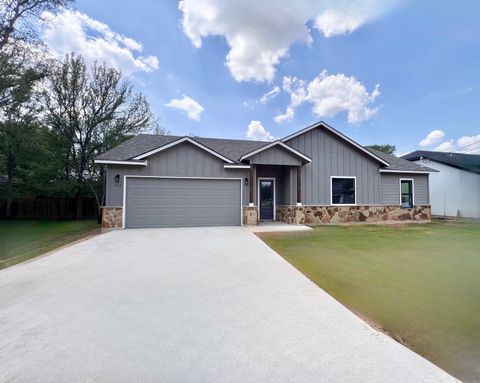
{"x":401,"y":72}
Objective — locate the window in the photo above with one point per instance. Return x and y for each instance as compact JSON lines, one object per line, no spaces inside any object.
{"x":343,"y":190}
{"x":406,"y":193}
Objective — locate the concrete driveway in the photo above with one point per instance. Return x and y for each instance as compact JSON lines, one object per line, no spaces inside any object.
{"x":185,"y":305}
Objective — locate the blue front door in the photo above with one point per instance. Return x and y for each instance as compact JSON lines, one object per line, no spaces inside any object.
{"x":266,"y":202}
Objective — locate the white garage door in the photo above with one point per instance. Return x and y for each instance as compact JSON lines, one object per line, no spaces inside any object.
{"x":177,"y":202}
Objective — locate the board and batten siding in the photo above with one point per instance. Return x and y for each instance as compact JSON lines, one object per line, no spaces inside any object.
{"x":182,"y":160}
{"x":275,"y":155}
{"x":390,"y":188}
{"x":331,"y":156}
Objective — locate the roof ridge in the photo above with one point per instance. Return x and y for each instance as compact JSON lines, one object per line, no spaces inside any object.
{"x":201,"y":137}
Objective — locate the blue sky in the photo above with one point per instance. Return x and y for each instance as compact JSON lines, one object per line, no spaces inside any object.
{"x":424,"y":56}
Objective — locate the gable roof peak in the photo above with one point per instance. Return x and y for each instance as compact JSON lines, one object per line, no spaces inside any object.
{"x":338,"y":134}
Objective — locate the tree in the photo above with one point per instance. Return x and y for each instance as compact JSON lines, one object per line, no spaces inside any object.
{"x":23,"y":60}
{"x":18,"y":17}
{"x":17,"y":133}
{"x":90,"y":111}
{"x":386,"y":148}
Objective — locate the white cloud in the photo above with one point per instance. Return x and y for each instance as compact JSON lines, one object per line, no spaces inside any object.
{"x":465,"y":144}
{"x":332,"y":22}
{"x":298,"y":94}
{"x":188,"y":105}
{"x":432,"y":138}
{"x":329,"y":95}
{"x":446,"y":146}
{"x":260,"y":33}
{"x":264,"y":99}
{"x":270,"y":95}
{"x":73,"y":31}
{"x":468,"y":140}
{"x":469,"y":144}
{"x":257,"y":132}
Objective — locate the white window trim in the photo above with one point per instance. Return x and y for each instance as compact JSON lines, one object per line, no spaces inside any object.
{"x":113,"y":162}
{"x":413,"y":191}
{"x":179,"y":141}
{"x":271,"y":145}
{"x":124,"y":205}
{"x":331,"y":191}
{"x":274,"y":196}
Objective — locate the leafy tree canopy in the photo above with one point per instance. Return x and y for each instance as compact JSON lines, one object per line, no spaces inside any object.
{"x":385,"y":148}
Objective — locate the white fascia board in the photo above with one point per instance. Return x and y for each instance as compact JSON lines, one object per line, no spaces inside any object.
{"x":113,"y":162}
{"x":337,"y":133}
{"x":179,"y":141}
{"x":271,"y":145}
{"x":404,"y":171}
{"x":236,"y":166}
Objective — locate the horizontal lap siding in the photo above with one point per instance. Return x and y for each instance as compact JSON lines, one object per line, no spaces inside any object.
{"x":390,"y":188}
{"x":183,"y":160}
{"x":332,"y":156}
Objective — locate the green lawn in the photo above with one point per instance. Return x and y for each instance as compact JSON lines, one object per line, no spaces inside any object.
{"x":419,"y":283}
{"x":22,"y":240}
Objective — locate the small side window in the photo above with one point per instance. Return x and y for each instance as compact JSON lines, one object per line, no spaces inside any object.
{"x":406,"y":193}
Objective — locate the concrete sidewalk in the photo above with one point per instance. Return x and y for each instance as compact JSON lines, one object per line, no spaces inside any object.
{"x":185,"y":305}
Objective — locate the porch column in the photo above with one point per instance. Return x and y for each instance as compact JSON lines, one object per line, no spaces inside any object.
{"x":299,"y":185}
{"x":250,"y":184}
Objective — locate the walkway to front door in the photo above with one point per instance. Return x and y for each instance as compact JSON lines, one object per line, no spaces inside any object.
{"x":266,"y":197}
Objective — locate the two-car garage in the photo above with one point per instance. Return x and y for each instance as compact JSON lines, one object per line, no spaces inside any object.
{"x":177,"y":202}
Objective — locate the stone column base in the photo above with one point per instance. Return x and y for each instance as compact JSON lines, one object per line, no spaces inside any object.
{"x":112,"y":217}
{"x":250,"y":215}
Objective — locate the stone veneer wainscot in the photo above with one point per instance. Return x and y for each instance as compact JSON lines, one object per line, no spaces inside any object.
{"x":112,"y":216}
{"x":345,"y":214}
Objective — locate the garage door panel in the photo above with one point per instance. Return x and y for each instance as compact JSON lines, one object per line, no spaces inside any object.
{"x":176,"y":202}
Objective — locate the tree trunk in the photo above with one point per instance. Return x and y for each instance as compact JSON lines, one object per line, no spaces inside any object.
{"x":79,"y":200}
{"x":10,"y":170}
{"x":80,"y":185}
{"x":8,"y":208}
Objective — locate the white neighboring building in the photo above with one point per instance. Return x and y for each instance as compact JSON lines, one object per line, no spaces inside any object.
{"x":455,"y":189}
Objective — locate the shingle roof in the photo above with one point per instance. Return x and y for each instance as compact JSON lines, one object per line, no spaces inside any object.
{"x":468,"y":162}
{"x":143,"y":143}
{"x":400,"y":164}
{"x":232,"y":149}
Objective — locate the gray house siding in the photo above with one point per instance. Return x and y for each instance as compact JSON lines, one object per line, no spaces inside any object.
{"x":390,"y":188}
{"x":332,"y":156}
{"x":275,"y":156}
{"x":183,"y":160}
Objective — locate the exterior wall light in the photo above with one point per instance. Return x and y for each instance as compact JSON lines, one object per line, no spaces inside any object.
{"x":117,"y":178}
{"x":246,"y":181}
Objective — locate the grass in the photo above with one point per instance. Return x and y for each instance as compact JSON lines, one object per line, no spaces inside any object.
{"x":23,"y":240}
{"x":419,"y":283}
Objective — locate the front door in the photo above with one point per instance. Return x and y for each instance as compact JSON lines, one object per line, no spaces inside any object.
{"x":266,"y":198}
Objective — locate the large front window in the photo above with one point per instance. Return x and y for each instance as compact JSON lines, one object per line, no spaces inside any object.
{"x":343,"y":191}
{"x":406,"y":192}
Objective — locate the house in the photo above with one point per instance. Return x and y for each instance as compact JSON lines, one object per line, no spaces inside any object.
{"x":315,"y":175}
{"x":455,"y":189}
